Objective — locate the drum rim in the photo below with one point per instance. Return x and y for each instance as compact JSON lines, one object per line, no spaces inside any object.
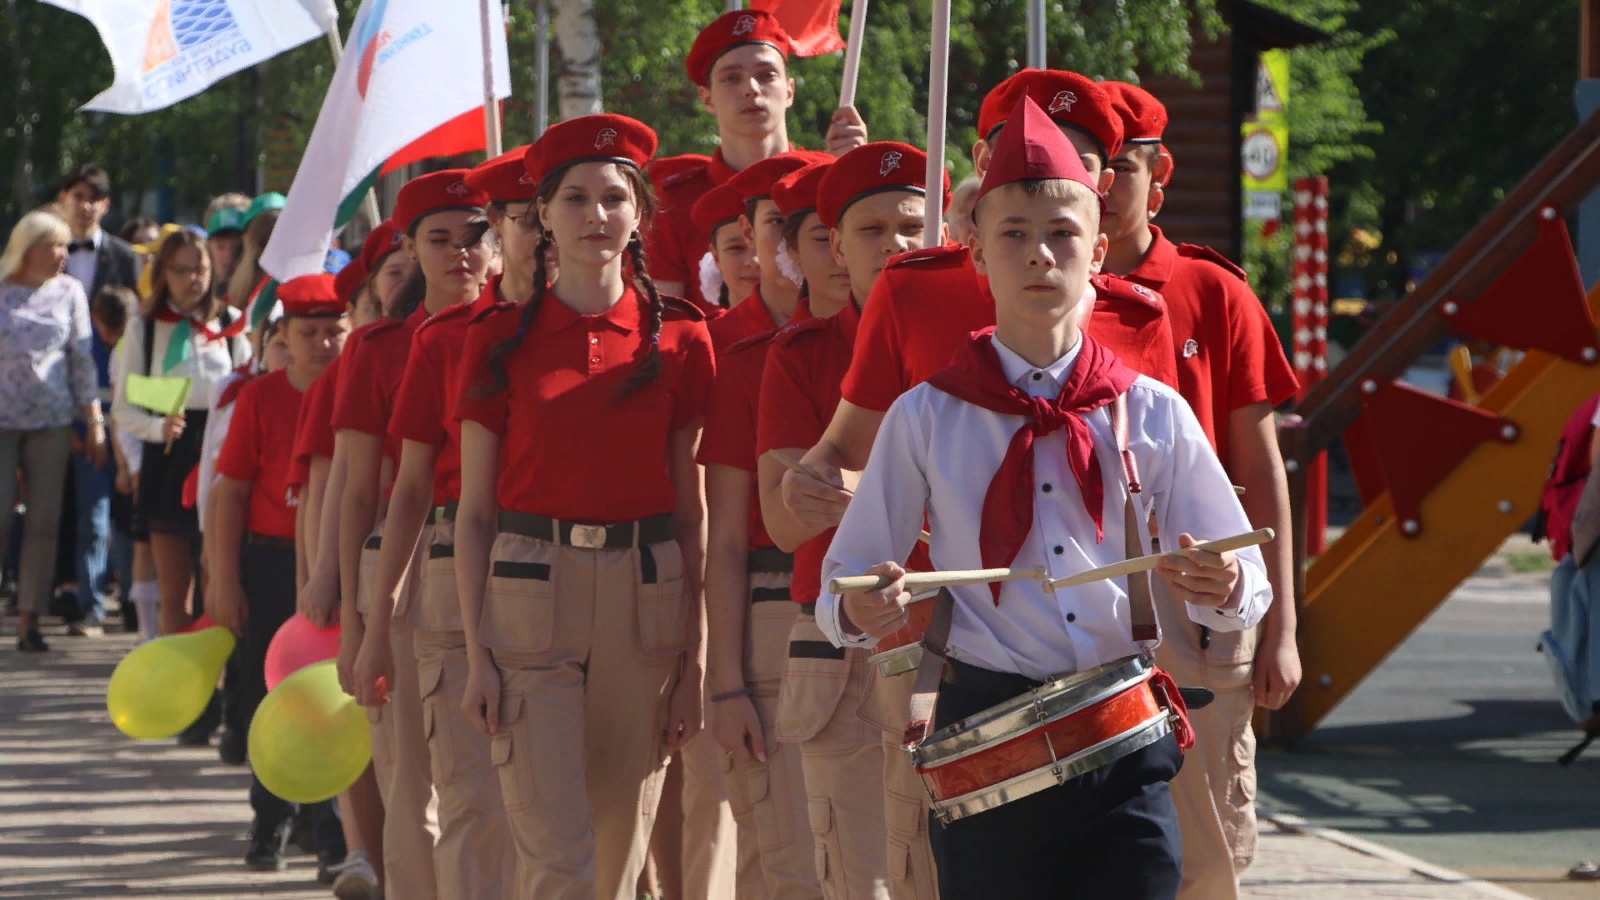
{"x":1043,"y":778}
{"x":1042,"y":705}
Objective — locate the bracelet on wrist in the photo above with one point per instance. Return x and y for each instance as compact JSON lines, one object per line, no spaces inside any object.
{"x":729,"y":695}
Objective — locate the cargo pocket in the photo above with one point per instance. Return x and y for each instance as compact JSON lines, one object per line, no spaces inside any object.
{"x":734,"y":781}
{"x":512,"y":762}
{"x":367,"y":573}
{"x":663,"y":608}
{"x":830,"y":867}
{"x":1239,"y":810}
{"x":438,"y":608}
{"x":519,"y":606}
{"x":814,"y":682}
{"x":1230,"y":658}
{"x":768,"y":647}
{"x":430,"y":675}
{"x":774,"y":806}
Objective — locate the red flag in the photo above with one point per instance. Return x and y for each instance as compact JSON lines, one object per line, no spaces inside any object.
{"x":463,"y":134}
{"x":814,"y":24}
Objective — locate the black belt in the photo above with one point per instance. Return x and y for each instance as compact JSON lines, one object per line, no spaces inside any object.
{"x":809,"y":609}
{"x":770,"y":595}
{"x":771,"y":559}
{"x":446,"y":511}
{"x":814,"y":650}
{"x":1005,"y":685}
{"x":647,"y":531}
{"x":270,"y":541}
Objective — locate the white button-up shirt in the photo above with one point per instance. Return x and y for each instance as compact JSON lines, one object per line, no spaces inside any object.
{"x":938,"y":453}
{"x":82,"y":264}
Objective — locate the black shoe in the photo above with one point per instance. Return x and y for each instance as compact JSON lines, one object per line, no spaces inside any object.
{"x":32,"y":642}
{"x":232,"y":748}
{"x":304,"y":833}
{"x":266,"y":847}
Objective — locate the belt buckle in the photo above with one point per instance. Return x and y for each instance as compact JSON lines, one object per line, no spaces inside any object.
{"x":589,"y":537}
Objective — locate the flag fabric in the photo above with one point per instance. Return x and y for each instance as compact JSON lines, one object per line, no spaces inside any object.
{"x":813,"y":24}
{"x":463,"y":134}
{"x":409,"y":66}
{"x":164,"y":51}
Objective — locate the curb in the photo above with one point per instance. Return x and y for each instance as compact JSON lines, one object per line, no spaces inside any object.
{"x":1296,"y":825}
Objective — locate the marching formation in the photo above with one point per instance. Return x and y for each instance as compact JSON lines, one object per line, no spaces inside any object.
{"x":709,"y":512}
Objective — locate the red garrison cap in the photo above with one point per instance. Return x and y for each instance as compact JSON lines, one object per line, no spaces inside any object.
{"x":310,"y":295}
{"x":797,"y":191}
{"x":381,"y":241}
{"x":756,"y":180}
{"x":871,"y":169}
{"x":730,"y":30}
{"x":435,"y":191}
{"x":1068,"y":98}
{"x":349,"y":278}
{"x":1031,"y":147}
{"x":505,"y":178}
{"x":605,"y":137}
{"x":717,"y":207}
{"x":1144,"y":118}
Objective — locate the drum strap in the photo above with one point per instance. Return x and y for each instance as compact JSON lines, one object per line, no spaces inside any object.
{"x":1141,"y":602}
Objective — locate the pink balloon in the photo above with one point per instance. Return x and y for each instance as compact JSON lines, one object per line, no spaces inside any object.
{"x":298,"y":644}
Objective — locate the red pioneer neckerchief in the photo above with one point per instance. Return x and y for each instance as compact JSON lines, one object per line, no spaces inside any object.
{"x":976,"y":376}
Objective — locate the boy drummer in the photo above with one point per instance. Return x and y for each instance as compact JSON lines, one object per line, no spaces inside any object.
{"x":1030,"y":404}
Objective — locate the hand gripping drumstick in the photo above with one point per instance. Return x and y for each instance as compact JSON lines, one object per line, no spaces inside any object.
{"x":1146,"y":563}
{"x":800,"y":468}
{"x":860,"y":584}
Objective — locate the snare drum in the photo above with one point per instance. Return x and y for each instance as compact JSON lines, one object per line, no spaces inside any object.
{"x":1047,"y":736}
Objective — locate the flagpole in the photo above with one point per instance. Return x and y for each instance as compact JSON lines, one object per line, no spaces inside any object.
{"x":541,"y":65}
{"x":491,"y":107}
{"x":1036,"y":34}
{"x":852,"y":53}
{"x":369,"y":204}
{"x":938,"y":84}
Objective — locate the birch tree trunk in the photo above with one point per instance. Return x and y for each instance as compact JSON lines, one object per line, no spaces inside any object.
{"x":577,"y":45}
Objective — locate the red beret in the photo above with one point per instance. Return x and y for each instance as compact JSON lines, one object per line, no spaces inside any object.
{"x":716,"y":207}
{"x":730,"y":30}
{"x":871,"y":169}
{"x":1144,"y":118}
{"x":1031,"y":146}
{"x":435,"y":191}
{"x":505,"y":178}
{"x":605,"y":137}
{"x":349,"y":278}
{"x":797,"y":191}
{"x":310,"y":295}
{"x":1068,"y":98}
{"x":755,"y":181}
{"x":381,"y":241}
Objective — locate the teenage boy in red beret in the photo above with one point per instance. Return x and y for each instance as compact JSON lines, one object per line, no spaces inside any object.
{"x":1232,"y":370}
{"x":949,"y":447}
{"x":846,"y":718}
{"x":252,"y":582}
{"x":739,"y":65}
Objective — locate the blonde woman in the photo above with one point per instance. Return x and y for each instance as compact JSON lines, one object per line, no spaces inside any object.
{"x":47,"y":379}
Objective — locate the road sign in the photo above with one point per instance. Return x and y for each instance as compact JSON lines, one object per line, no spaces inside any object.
{"x":1266,"y":146}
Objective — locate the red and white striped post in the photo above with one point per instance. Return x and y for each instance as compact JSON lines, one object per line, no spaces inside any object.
{"x":1310,"y":327}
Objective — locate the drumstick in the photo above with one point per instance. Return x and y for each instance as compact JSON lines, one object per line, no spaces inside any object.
{"x":800,"y":468}
{"x":1146,"y":563}
{"x":859,"y":584}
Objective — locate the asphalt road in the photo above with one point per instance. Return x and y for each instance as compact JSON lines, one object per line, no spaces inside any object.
{"x":1447,"y":751}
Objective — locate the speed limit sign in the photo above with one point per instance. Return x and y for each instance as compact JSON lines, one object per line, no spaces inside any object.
{"x":1263,"y":153}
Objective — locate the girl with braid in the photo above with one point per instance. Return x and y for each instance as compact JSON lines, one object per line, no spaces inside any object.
{"x":580,"y":531}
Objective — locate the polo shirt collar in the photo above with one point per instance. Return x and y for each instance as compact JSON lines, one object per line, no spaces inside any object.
{"x":1156,"y":268}
{"x":623,"y":316}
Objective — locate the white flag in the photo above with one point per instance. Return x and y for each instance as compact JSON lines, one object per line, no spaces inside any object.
{"x":166,"y":50}
{"x":409,"y":67}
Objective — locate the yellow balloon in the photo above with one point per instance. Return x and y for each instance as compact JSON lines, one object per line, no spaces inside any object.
{"x":163,"y":685}
{"x":309,"y":739}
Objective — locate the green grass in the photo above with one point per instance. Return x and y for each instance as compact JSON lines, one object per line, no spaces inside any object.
{"x":1527,"y":561}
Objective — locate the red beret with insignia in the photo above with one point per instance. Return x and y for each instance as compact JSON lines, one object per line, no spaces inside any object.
{"x":1144,"y":117}
{"x":871,"y":169}
{"x":434,"y":192}
{"x":380,"y":242}
{"x":605,"y":137}
{"x":311,"y":295}
{"x":1067,"y":97}
{"x":1032,"y":147}
{"x":755,"y":181}
{"x":797,"y":191}
{"x":505,"y":178}
{"x":730,"y":30}
{"x":717,"y":207}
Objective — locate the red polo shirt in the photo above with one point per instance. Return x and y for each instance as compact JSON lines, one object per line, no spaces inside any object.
{"x":258,"y":449}
{"x":571,"y":446}
{"x":799,"y":393}
{"x":674,"y":244}
{"x":925,"y":303}
{"x":730,"y":432}
{"x":748,"y":318}
{"x":422,"y":403}
{"x":366,"y":390}
{"x":1228,"y":354}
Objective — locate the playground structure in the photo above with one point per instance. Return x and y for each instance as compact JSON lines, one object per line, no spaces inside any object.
{"x":1445,"y":481}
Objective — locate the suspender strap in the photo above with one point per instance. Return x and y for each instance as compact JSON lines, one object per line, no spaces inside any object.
{"x":1141,"y":603}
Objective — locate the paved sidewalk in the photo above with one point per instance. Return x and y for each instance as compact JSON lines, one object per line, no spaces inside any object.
{"x":88,"y":813}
